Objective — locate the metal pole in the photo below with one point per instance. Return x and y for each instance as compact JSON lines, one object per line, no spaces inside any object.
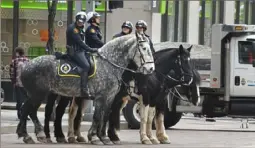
{"x":237,"y":15}
{"x":90,"y":6}
{"x":164,"y":24}
{"x":0,"y":79}
{"x":105,"y":20}
{"x":176,"y":20}
{"x":69,"y":12}
{"x":202,"y":23}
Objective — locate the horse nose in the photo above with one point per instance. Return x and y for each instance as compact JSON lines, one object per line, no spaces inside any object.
{"x":151,"y":69}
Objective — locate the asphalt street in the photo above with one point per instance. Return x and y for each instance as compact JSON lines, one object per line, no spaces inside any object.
{"x":190,"y":132}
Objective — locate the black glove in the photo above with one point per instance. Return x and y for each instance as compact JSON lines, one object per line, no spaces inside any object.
{"x":93,"y":50}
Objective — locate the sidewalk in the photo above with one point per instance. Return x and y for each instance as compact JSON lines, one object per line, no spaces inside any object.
{"x":9,"y":122}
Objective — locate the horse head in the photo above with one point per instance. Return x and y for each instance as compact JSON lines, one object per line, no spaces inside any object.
{"x":182,"y":71}
{"x":143,"y":57}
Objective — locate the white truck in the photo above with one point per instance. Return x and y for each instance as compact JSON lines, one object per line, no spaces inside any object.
{"x":228,"y":86}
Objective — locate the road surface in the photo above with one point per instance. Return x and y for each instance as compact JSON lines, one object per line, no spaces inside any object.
{"x":188,"y":133}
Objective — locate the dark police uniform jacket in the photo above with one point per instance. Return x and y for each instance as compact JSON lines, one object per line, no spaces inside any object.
{"x":93,"y":37}
{"x":75,"y":38}
{"x":151,"y":44}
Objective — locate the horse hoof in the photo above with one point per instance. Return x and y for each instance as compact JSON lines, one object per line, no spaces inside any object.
{"x":61,"y":140}
{"x":49,"y":140}
{"x":81,"y":139}
{"x":72,"y":140}
{"x":116,"y":142}
{"x":28,"y":140}
{"x":42,"y":139}
{"x":146,"y":142}
{"x":154,"y":141}
{"x":167,"y":141}
{"x":106,"y":141}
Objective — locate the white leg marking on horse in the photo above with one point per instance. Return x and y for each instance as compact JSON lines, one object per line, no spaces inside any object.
{"x":160,"y":129}
{"x":144,"y":116}
{"x":151,"y":114}
{"x":198,"y":94}
{"x":72,"y":113}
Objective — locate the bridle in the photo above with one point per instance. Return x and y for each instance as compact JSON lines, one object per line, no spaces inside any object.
{"x":183,"y":74}
{"x":128,"y":69}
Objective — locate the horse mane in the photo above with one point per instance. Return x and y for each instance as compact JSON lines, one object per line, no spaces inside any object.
{"x":163,"y":55}
{"x":118,"y":43}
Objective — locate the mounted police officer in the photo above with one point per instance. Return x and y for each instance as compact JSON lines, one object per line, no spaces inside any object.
{"x":93,"y":33}
{"x":141,"y":26}
{"x":76,"y":49}
{"x":126,"y":27}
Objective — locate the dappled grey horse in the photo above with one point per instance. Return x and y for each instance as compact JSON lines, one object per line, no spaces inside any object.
{"x":40,"y":77}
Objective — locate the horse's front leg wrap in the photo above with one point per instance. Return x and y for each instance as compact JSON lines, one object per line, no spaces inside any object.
{"x":160,"y":130}
{"x":151,"y":114}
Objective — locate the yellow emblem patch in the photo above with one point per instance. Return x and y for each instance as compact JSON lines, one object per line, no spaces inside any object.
{"x":92,"y":30}
{"x":76,"y":30}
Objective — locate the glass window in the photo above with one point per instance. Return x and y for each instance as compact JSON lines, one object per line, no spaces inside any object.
{"x":245,"y":52}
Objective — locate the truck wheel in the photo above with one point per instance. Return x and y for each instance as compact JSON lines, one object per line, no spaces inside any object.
{"x":132,"y":115}
{"x":171,"y":118}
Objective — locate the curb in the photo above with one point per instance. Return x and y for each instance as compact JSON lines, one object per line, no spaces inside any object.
{"x":30,"y":129}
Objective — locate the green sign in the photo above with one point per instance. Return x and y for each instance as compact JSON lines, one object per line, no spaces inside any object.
{"x":42,"y":4}
{"x":171,"y":8}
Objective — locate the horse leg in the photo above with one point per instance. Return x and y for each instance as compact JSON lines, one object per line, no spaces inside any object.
{"x":160,"y":128}
{"x":72,"y":113}
{"x":77,"y":121}
{"x":22,"y":126}
{"x":94,"y":133}
{"x":39,"y":131}
{"x":48,"y":110}
{"x":114,"y":118}
{"x":144,"y":108}
{"x":151,"y":115}
{"x":60,"y":110}
{"x":195,"y":95}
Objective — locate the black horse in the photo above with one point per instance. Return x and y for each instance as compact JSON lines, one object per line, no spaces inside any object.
{"x":169,"y":73}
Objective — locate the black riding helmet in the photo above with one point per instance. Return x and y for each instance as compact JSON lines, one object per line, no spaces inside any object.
{"x":142,"y":24}
{"x":81,"y":17}
{"x":127,"y":24}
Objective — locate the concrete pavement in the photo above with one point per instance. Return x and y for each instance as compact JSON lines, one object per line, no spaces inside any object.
{"x":9,"y":122}
{"x":188,"y":133}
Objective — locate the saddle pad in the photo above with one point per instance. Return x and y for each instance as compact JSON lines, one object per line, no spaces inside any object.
{"x":67,"y":69}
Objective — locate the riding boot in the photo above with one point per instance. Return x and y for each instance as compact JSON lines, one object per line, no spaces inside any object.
{"x":84,"y":86}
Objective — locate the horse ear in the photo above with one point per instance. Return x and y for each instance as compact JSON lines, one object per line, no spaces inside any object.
{"x":180,"y":48}
{"x":138,"y":36}
{"x":189,"y":49}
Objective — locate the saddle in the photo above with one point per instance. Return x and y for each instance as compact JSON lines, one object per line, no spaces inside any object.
{"x":68,"y":68}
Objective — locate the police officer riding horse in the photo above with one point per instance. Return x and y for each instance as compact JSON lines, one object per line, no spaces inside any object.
{"x":141,"y":26}
{"x":93,"y":33}
{"x":126,"y":27}
{"x":77,"y":50}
